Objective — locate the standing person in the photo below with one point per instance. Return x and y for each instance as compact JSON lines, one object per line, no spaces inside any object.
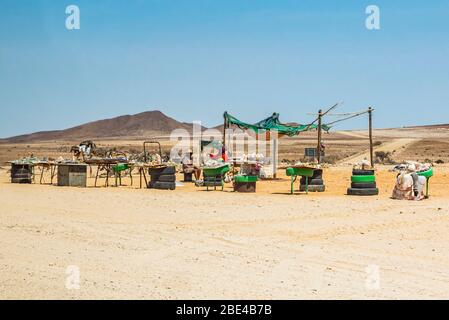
{"x":224,"y":154}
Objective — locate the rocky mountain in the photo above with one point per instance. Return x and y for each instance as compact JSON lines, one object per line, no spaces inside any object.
{"x":145,"y":124}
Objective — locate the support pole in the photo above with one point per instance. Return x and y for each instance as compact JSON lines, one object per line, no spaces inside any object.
{"x":370,"y":123}
{"x":225,"y":123}
{"x":318,"y":149}
{"x":274,"y":156}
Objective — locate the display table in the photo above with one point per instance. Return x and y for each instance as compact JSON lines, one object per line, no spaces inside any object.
{"x":214,"y":176}
{"x":301,"y":171}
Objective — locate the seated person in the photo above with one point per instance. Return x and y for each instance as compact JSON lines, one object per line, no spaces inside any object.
{"x":189,"y":167}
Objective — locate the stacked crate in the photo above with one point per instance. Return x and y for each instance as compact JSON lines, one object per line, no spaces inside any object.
{"x":316,"y":182}
{"x":163,"y":178}
{"x":21,"y":173}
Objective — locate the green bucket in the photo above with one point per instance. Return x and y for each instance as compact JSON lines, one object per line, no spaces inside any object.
{"x":427,"y":173}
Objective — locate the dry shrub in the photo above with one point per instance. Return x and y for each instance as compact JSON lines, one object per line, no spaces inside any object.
{"x":383,"y":157}
{"x":331,"y":159}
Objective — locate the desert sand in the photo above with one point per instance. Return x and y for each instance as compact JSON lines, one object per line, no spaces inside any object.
{"x":130,"y":243}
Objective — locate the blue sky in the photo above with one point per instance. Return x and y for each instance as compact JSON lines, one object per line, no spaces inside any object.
{"x":194,"y":59}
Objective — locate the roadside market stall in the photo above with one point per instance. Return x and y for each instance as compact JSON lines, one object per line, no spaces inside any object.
{"x":266,"y":126}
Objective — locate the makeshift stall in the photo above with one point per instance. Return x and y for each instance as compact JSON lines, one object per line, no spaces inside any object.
{"x":412,"y":181}
{"x":21,"y":173}
{"x":24,"y":170}
{"x":214,"y":176}
{"x":267,"y":125}
{"x":302,"y":171}
{"x":106,"y":165}
{"x":357,"y":188}
{"x":73,"y":175}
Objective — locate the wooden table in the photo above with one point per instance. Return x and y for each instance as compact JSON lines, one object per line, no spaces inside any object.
{"x":51,"y":166}
{"x":42,"y":165}
{"x":106,"y":164}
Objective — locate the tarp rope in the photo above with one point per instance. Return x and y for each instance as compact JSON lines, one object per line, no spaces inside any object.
{"x":347,"y":118}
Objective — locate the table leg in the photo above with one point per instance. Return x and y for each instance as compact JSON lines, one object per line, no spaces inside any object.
{"x":145,"y":178}
{"x":107,"y":176}
{"x":96,"y":175}
{"x":33,"y":173}
{"x":140,"y":178}
{"x":291,"y":184}
{"x":307,"y":185}
{"x":52,"y":173}
{"x":42,"y":174}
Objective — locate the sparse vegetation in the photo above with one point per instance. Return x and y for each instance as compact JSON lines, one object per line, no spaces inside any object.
{"x":383,"y":157}
{"x":331,"y":159}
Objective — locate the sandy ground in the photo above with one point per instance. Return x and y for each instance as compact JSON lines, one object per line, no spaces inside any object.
{"x":191,"y":244}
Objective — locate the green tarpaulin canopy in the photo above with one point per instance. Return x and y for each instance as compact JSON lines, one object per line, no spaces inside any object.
{"x":273,"y":123}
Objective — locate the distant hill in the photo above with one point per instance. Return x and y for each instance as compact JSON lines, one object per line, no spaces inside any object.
{"x":434,"y":126}
{"x":145,"y":124}
{"x":142,"y":125}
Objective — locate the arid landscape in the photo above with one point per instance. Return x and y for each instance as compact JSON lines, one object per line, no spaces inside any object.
{"x":192,"y":244}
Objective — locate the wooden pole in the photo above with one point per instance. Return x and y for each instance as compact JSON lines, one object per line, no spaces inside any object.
{"x":318,"y":149}
{"x":224,"y":128}
{"x":370,"y":123}
{"x":274,"y":155}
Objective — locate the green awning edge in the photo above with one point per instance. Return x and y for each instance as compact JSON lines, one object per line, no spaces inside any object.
{"x":273,"y":123}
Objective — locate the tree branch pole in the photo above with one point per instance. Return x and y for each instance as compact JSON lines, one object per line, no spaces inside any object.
{"x":224,"y":129}
{"x":318,"y":149}
{"x":370,"y":123}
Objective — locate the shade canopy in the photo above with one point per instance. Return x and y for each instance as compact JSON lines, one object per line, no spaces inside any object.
{"x":273,"y":123}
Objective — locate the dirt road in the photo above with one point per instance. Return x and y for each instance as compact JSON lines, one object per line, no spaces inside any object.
{"x":390,"y":146}
{"x":188,"y":244}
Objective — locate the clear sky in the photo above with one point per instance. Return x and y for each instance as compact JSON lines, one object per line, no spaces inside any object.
{"x":194,"y":59}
